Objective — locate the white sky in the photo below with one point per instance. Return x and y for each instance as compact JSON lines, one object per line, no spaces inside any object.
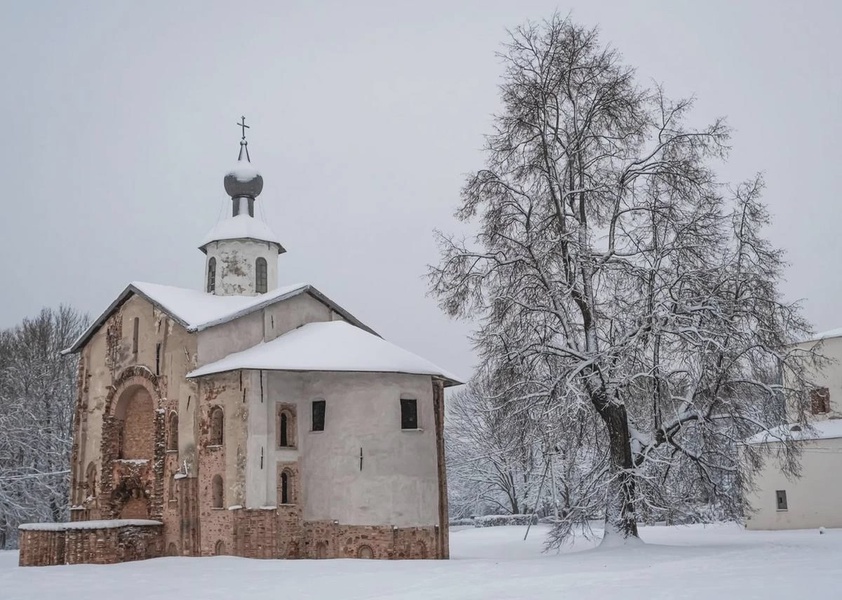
{"x":119,"y":124}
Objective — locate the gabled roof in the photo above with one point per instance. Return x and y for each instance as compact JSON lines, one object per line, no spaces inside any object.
{"x":328,"y":346}
{"x":195,"y":310}
{"x":818,"y":430}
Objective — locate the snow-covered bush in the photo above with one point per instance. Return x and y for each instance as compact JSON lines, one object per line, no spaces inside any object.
{"x":501,"y":520}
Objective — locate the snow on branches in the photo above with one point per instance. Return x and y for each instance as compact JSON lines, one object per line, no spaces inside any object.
{"x":617,"y":283}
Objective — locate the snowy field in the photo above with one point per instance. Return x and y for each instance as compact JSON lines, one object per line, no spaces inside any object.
{"x":721,"y":561}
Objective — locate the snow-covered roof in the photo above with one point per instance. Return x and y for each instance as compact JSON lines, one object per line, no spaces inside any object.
{"x":241,"y":227}
{"x":825,"y":335}
{"x":108,"y":524}
{"x":195,"y":310}
{"x":244,"y":170}
{"x":820,"y":430}
{"x":328,"y":346}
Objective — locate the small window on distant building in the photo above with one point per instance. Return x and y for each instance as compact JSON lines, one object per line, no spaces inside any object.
{"x":409,"y":413}
{"x":216,"y":426}
{"x":135,"y":334}
{"x":819,"y":401}
{"x":318,"y":415}
{"x":217,"y":492}
{"x":211,"y":274}
{"x":780,"y":497}
{"x":261,"y":283}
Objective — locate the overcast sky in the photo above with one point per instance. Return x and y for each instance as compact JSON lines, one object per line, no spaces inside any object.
{"x":119,"y":124}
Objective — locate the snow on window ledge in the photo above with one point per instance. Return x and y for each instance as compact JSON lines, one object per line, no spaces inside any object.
{"x":416,"y":430}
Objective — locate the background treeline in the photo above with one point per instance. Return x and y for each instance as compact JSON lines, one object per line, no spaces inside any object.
{"x":37,"y":396}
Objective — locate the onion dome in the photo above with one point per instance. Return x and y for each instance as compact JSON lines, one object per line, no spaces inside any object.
{"x":244,"y":180}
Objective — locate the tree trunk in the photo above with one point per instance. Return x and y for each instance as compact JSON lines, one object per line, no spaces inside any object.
{"x":620,"y":520}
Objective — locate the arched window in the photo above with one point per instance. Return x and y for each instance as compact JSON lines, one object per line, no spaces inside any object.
{"x":219,"y":548}
{"x":261,"y":277}
{"x":172,"y":437}
{"x":211,"y":274}
{"x":91,"y":480}
{"x":284,"y":430}
{"x":216,"y":491}
{"x":286,"y":488}
{"x":216,"y":426}
{"x":286,"y":426}
{"x":365,"y":552}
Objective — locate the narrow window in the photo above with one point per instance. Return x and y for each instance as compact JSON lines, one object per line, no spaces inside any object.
{"x":261,"y":283}
{"x":135,"y":333}
{"x":409,"y":413}
{"x":172,"y":438}
{"x":318,"y":415}
{"x":780,"y":496}
{"x":217,"y":492}
{"x":216,"y":426}
{"x":157,"y":359}
{"x":819,"y":401}
{"x":286,"y":488}
{"x":91,"y":480}
{"x":284,"y":430}
{"x":211,"y":274}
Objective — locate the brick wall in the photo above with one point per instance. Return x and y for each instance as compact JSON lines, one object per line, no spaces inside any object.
{"x":77,"y":545}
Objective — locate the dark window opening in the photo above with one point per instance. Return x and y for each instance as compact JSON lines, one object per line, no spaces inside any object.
{"x":261,"y":276}
{"x":212,"y":274}
{"x":216,"y":426}
{"x":318,"y":415}
{"x":284,"y":430}
{"x":286,"y":496}
{"x":819,"y":401}
{"x":217,"y":492}
{"x":409,"y":413}
{"x":135,"y":334}
{"x":780,"y":496}
{"x":157,"y":359}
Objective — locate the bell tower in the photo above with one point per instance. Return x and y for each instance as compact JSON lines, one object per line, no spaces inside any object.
{"x":242,"y":252}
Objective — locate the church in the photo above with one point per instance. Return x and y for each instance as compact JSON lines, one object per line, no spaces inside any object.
{"x":250,"y":418}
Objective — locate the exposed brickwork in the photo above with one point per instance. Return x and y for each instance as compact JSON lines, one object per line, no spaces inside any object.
{"x":91,"y":546}
{"x":256,"y":533}
{"x":136,"y":486}
{"x":189,"y":530}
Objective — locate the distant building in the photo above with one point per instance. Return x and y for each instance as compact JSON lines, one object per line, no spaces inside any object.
{"x":249,"y":419}
{"x":814,"y":499}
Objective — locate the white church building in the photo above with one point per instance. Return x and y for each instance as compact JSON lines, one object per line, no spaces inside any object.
{"x":248,"y":418}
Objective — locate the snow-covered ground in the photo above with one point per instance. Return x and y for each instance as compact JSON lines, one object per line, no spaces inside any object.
{"x":720,"y":561}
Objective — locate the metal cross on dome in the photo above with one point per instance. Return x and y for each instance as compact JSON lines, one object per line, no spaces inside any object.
{"x":243,"y":126}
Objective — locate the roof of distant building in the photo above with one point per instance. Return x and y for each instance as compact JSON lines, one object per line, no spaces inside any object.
{"x":817,"y":430}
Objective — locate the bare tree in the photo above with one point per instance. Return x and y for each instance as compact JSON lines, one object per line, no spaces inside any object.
{"x":618,"y":274}
{"x":37,"y":397}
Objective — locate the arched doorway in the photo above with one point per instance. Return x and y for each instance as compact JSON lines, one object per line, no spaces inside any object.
{"x":133,"y":440}
{"x":135,"y":413}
